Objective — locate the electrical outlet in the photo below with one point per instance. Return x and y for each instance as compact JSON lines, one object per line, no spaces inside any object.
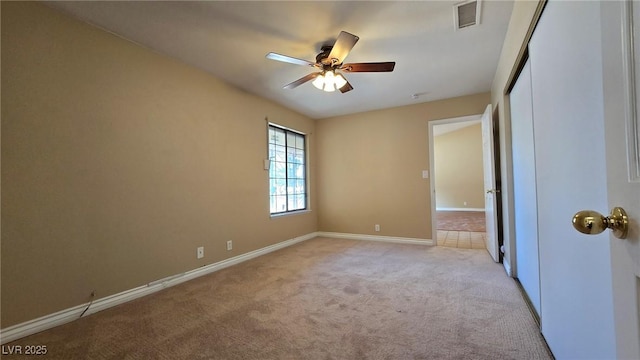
{"x":377,"y":227}
{"x":465,"y":203}
{"x":229,"y":245}
{"x":200,"y":252}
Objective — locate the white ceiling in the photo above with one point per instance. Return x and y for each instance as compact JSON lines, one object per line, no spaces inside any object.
{"x":231,"y":38}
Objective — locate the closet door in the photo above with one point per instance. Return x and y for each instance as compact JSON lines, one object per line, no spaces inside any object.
{"x":571,"y":174}
{"x":524,"y":188}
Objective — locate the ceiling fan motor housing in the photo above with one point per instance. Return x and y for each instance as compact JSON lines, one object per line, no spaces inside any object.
{"x":323,"y":57}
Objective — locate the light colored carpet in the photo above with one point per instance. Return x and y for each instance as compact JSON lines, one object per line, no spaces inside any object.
{"x":320,"y":299}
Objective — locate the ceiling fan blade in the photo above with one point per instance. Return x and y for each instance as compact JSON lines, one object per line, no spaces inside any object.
{"x":346,"y":87}
{"x":369,"y":67}
{"x":342,"y":47}
{"x":289,"y":59}
{"x":302,"y":80}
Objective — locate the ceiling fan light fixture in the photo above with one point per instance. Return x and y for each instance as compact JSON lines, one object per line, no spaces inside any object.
{"x":340,"y":81}
{"x":318,"y":82}
{"x":329,"y":81}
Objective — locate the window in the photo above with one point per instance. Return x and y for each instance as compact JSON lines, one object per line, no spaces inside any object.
{"x":287,"y":171}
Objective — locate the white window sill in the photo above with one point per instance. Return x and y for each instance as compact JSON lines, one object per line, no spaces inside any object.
{"x":292,"y":213}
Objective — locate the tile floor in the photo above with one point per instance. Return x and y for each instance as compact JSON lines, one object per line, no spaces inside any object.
{"x":461,"y":239}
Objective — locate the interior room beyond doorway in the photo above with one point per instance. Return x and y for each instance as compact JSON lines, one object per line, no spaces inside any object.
{"x":458,"y":174}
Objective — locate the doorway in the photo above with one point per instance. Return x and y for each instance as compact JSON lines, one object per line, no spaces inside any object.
{"x":458,"y":201}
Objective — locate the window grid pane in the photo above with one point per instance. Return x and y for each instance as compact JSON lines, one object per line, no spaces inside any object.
{"x":287,"y":173}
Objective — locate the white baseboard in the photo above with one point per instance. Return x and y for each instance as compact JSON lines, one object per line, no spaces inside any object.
{"x":459,"y":209}
{"x":391,"y":239}
{"x":62,"y":317}
{"x":507,"y":266}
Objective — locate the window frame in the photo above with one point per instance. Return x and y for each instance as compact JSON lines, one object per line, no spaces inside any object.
{"x":287,"y":164}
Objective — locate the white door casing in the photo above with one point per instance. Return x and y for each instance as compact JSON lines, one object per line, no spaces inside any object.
{"x":491,"y":215}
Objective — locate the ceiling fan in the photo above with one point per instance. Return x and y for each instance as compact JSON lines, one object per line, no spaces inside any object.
{"x":330,"y":62}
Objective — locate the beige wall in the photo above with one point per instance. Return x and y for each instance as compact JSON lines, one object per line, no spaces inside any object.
{"x":458,"y":168}
{"x":118,"y":162}
{"x":519,"y":28}
{"x":369,"y":168}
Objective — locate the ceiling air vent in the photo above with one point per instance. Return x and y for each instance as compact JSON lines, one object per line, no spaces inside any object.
{"x":466,"y":14}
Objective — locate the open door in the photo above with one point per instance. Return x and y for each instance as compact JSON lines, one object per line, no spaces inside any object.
{"x":490,"y":203}
{"x":621,"y":54}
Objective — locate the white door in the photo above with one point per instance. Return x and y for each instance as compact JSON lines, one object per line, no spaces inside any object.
{"x":489,"y":183}
{"x":588,"y":283}
{"x":525,"y":210}
{"x":622,"y":137}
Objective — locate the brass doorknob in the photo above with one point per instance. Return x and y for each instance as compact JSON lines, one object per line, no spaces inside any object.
{"x":592,"y":222}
